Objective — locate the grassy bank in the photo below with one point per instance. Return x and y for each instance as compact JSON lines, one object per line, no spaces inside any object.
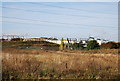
{"x":29,"y":45}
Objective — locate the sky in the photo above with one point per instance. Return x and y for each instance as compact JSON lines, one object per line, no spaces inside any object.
{"x":59,"y":0}
{"x":61,"y":19}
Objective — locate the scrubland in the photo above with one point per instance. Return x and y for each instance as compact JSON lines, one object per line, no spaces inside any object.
{"x":67,"y":64}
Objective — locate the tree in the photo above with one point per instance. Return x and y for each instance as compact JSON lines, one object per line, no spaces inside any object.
{"x":81,"y":46}
{"x":77,"y":46}
{"x":93,"y":45}
{"x":62,"y":44}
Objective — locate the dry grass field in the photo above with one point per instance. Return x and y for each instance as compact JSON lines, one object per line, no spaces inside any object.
{"x":41,"y":64}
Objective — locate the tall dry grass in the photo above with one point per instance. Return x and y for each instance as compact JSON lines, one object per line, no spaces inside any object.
{"x":34,"y":51}
{"x":33,"y":64}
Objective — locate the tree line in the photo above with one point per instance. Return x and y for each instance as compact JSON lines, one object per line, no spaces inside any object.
{"x":92,"y":44}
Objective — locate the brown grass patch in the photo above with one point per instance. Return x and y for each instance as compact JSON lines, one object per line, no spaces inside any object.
{"x":27,"y":64}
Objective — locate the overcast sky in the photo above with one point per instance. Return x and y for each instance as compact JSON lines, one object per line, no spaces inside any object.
{"x":61,"y":19}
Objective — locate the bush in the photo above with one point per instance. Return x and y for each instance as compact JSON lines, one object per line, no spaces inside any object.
{"x":110,"y":45}
{"x":17,"y":39}
{"x":118,"y":44}
{"x":49,"y":38}
{"x":52,"y":38}
{"x":77,"y":46}
{"x":93,"y":45}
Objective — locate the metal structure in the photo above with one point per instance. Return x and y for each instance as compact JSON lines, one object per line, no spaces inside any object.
{"x":11,"y":36}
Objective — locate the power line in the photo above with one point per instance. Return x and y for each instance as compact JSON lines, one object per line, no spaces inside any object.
{"x":62,"y":7}
{"x":23,"y":23}
{"x":41,"y":21}
{"x":26,"y":23}
{"x":53,"y":22}
{"x":48,"y":12}
{"x":75,"y":9}
{"x":37,"y":20}
{"x":56,"y":6}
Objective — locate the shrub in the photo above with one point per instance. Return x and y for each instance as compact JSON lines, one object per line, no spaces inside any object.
{"x":2,"y":39}
{"x":110,"y":45}
{"x":118,"y":44}
{"x":17,"y":39}
{"x":78,"y":46}
{"x":93,"y":45}
{"x":49,"y":38}
{"x":52,"y":38}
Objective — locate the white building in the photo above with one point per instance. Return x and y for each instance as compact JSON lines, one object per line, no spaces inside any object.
{"x":99,"y":42}
{"x":70,"y":41}
{"x":53,"y":41}
{"x":59,"y":41}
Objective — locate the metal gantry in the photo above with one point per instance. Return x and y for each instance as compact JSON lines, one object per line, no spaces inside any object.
{"x":11,"y":36}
